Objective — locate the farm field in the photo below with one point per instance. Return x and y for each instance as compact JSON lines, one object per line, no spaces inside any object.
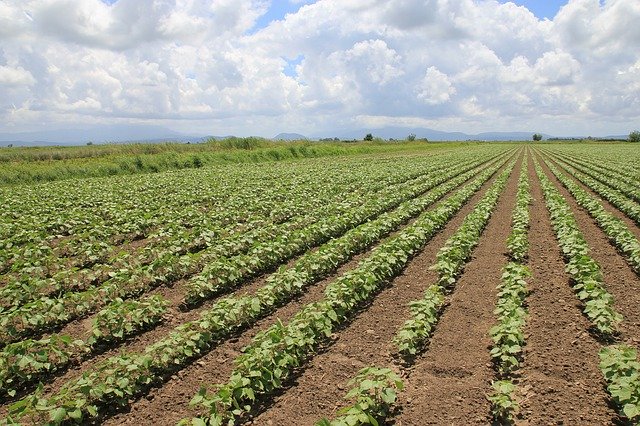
{"x":467,"y":284}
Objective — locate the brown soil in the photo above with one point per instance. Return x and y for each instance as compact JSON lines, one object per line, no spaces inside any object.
{"x":214,"y":367}
{"x":449,"y":383}
{"x":619,"y":279}
{"x":633,"y":227}
{"x":367,"y":341}
{"x":561,"y":382}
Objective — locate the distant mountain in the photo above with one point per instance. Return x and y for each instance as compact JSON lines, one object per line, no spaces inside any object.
{"x":434,"y":135}
{"x":289,"y":137}
{"x":116,"y":133}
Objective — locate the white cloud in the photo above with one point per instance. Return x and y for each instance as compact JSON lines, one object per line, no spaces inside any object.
{"x":436,"y":88}
{"x":15,"y":76}
{"x":463,"y":65}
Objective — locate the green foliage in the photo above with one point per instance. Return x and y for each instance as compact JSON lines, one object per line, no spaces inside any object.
{"x":503,"y":404}
{"x":634,"y":136}
{"x":120,"y":377}
{"x":125,"y":317}
{"x":374,"y":391}
{"x":368,"y":137}
{"x":412,"y":336}
{"x":615,"y":229}
{"x":508,"y":334}
{"x":537,"y":137}
{"x":621,"y":370}
{"x":585,"y":272}
{"x":411,"y":137}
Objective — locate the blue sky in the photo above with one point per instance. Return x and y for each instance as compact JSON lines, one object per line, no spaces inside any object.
{"x":255,"y":67}
{"x":541,"y":8}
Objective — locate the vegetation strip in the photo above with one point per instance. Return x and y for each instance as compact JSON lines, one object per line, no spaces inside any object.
{"x":612,"y":180}
{"x":584,"y":271}
{"x":413,"y":335}
{"x":48,"y":312}
{"x":508,"y":335}
{"x":115,"y":380}
{"x":621,"y":370}
{"x":24,"y":362}
{"x":309,"y":268}
{"x":615,"y":229}
{"x":375,"y":393}
{"x":274,"y":354}
{"x":629,"y":207}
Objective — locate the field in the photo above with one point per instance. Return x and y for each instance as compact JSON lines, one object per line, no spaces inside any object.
{"x":406,"y":285}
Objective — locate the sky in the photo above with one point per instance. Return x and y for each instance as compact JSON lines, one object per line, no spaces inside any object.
{"x":260,"y":67}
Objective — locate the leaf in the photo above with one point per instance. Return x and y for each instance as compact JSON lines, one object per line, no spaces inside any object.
{"x":58,"y":415}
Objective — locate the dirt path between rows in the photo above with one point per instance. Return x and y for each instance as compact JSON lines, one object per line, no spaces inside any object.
{"x":633,"y":227}
{"x":320,"y":389}
{"x":619,"y":279}
{"x":172,"y":399}
{"x":560,"y":378}
{"x":449,"y":383}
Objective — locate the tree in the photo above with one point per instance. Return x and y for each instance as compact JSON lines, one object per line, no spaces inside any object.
{"x":537,"y":137}
{"x":634,"y":136}
{"x":411,"y":137}
{"x":369,"y":137}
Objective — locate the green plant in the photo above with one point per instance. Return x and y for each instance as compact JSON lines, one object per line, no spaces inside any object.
{"x":503,"y":404}
{"x":374,"y":391}
{"x":621,"y":370}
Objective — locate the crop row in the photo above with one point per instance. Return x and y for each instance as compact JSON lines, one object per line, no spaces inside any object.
{"x":629,"y":207}
{"x":82,"y":223}
{"x":174,"y":239}
{"x":615,"y":229}
{"x":115,"y":380}
{"x":413,"y":335}
{"x":24,"y":362}
{"x":316,"y":264}
{"x":621,"y":369}
{"x":584,"y":271}
{"x":508,"y":334}
{"x":602,"y":175}
{"x":46,"y":312}
{"x":275,"y":353}
{"x":374,"y":391}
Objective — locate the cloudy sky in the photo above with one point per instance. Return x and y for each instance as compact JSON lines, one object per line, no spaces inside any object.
{"x":262,"y":67}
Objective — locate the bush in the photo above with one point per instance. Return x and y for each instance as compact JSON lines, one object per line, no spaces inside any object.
{"x":634,"y":136}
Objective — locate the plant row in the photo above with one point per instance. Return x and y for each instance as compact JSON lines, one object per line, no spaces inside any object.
{"x":47,"y":312}
{"x":584,"y":271}
{"x":615,"y":229}
{"x":173,"y":240}
{"x":629,"y":207}
{"x":508,"y":334}
{"x":275,"y":353}
{"x":226,"y":274}
{"x":611,"y":179}
{"x":115,"y":380}
{"x":314,"y":265}
{"x":374,"y":393}
{"x":27,"y":361}
{"x":412,"y":337}
{"x":80,"y":225}
{"x":621,"y":369}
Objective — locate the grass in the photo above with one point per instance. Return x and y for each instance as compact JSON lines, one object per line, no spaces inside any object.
{"x":44,"y":164}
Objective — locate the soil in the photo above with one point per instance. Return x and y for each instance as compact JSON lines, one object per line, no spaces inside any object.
{"x":560,"y":379}
{"x":320,"y":389}
{"x":631,"y":224}
{"x":216,"y":366}
{"x":619,"y":278}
